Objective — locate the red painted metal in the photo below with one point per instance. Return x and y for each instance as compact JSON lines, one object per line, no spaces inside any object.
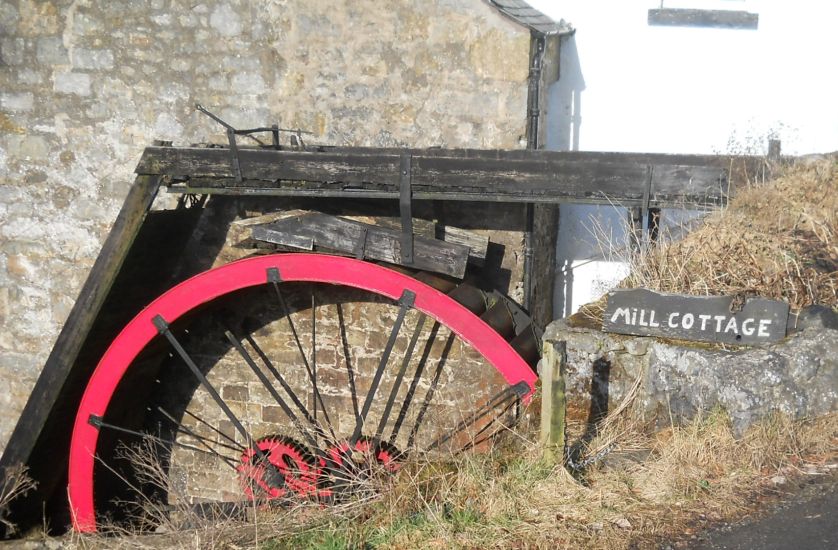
{"x":211,"y":284}
{"x":299,"y":470}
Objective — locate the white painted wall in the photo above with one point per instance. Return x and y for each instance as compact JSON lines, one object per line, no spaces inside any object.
{"x":628,"y":86}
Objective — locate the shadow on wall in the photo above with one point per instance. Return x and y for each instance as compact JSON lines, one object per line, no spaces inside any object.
{"x":589,"y":236}
{"x":565,"y":100}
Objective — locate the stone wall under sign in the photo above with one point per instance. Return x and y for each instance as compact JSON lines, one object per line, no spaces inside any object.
{"x":797,"y":377}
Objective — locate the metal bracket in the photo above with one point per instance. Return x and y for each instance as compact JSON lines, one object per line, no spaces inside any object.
{"x":235,"y":165}
{"x":407,"y":299}
{"x":361,"y":247}
{"x":405,"y":199}
{"x":273,"y":275}
{"x":275,"y":136}
{"x":647,"y":193}
{"x":160,"y":324}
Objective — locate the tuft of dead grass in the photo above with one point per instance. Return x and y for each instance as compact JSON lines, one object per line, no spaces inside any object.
{"x":777,"y":240}
{"x":653,"y":487}
{"x":14,"y":483}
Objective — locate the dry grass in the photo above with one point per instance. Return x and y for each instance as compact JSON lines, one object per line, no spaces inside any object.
{"x":777,"y":240}
{"x":651,"y":487}
{"x":14,"y":483}
{"x":655,"y":487}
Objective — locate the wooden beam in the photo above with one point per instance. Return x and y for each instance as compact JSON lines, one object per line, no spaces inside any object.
{"x":503,"y":176}
{"x":364,"y":240}
{"x":553,"y":401}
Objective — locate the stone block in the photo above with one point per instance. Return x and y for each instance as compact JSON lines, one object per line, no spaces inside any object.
{"x":235,"y":393}
{"x":11,"y":51}
{"x":162,"y":20}
{"x":226,"y":20}
{"x":28,"y":147}
{"x":84,"y":58}
{"x":274,"y":413}
{"x":29,"y":76}
{"x":188,"y":21}
{"x":9,"y":16}
{"x":65,"y":82}
{"x":86,"y":24}
{"x":50,"y":50}
{"x":11,"y":101}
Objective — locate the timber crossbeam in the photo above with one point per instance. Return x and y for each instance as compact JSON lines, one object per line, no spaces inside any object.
{"x":521,"y":176}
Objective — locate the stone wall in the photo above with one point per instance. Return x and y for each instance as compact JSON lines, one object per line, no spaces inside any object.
{"x":679,"y":381}
{"x":86,"y":84}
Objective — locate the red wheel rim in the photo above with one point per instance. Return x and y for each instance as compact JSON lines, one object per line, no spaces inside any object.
{"x":217,"y":282}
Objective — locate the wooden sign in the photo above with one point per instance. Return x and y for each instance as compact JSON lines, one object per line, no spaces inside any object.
{"x":703,"y":318}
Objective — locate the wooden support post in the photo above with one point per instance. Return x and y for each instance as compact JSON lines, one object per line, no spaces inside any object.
{"x":774,"y":148}
{"x":553,"y":403}
{"x":635,"y":229}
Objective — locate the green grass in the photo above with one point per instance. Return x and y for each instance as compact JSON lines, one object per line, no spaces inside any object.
{"x":326,"y":537}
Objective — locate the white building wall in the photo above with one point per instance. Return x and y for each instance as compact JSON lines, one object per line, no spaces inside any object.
{"x":628,"y":86}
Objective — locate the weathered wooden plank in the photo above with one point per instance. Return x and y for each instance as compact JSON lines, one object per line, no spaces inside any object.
{"x":508,"y":176}
{"x":703,"y":318}
{"x":538,"y":154}
{"x":553,"y":401}
{"x":259,"y":189}
{"x":720,"y":19}
{"x":478,"y":245}
{"x":671,"y":182}
{"x":375,"y":243}
{"x":240,"y":230}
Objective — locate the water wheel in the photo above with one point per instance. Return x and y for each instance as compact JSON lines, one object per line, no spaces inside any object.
{"x":288,"y":376}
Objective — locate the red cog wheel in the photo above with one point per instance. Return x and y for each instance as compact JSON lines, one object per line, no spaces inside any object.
{"x":290,"y":458}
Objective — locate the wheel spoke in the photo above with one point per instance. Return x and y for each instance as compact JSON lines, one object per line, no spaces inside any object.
{"x":202,"y":440}
{"x":405,"y":302}
{"x":414,"y":384}
{"x":163,"y":327}
{"x":99,"y":423}
{"x":268,"y":386}
{"x":408,"y":354}
{"x":431,"y":390}
{"x":510,"y":392}
{"x":476,"y":440}
{"x":239,"y":447}
{"x":287,"y":387}
{"x":273,"y":278}
{"x":350,"y":371}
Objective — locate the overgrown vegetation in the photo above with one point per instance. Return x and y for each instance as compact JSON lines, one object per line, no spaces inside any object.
{"x":777,"y":240}
{"x":14,"y":483}
{"x":651,"y":487}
